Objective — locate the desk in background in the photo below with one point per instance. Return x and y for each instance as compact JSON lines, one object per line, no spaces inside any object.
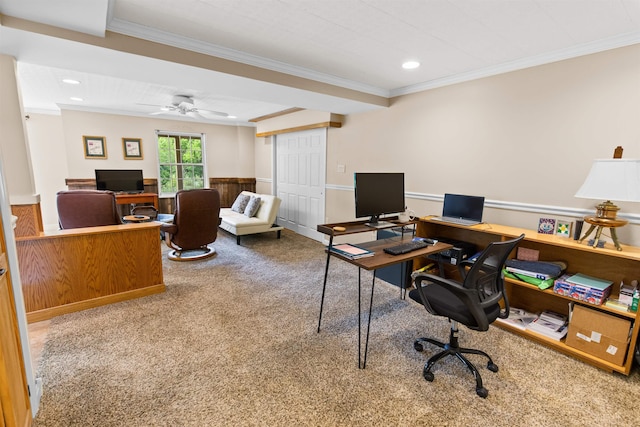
{"x":379,"y":260}
{"x":131,"y":198}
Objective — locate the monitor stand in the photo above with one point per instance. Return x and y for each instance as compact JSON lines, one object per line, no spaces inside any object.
{"x":375,"y":223}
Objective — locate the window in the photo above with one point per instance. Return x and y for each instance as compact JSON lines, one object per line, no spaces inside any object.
{"x":181,"y":158}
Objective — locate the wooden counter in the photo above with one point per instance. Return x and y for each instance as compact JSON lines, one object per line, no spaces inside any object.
{"x":71,"y":270}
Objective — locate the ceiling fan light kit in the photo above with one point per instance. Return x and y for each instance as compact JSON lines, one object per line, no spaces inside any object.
{"x":184,"y":105}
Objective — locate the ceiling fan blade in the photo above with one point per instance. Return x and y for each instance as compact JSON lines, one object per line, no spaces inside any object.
{"x":213,"y":113}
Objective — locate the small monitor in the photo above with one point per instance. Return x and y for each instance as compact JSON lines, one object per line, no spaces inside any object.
{"x":120,"y":180}
{"x":463,"y":207}
{"x":378,"y":193}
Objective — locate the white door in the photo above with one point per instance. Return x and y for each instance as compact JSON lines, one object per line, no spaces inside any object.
{"x":300,"y":180}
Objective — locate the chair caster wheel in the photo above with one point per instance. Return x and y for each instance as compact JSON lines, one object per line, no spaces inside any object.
{"x":482,"y":392}
{"x":428,"y":375}
{"x":492,"y":367}
{"x":417,"y":346}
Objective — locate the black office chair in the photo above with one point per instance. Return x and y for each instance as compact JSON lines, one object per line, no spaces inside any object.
{"x":475,"y":302}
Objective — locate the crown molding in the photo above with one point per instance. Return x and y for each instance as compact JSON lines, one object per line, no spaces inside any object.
{"x":623,"y":40}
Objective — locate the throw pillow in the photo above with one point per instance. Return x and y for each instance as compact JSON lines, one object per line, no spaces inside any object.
{"x":252,"y":206}
{"x":240,"y":204}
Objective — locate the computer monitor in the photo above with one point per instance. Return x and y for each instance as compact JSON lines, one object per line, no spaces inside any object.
{"x":378,"y":193}
{"x":120,"y":180}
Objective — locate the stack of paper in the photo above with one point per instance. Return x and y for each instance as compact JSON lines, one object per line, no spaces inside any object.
{"x":550,"y":324}
{"x":519,"y":318}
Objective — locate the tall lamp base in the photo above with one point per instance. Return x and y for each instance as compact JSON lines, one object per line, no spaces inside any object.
{"x":598,"y":224}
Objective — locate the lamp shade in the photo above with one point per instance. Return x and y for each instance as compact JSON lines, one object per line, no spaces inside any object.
{"x":612,"y":179}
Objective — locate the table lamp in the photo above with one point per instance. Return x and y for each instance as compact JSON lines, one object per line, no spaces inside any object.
{"x":610,"y":179}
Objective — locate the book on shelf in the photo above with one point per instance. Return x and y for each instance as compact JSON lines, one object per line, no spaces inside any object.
{"x":539,"y":269}
{"x":519,"y":318}
{"x":351,"y":251}
{"x":550,"y":324}
{"x":589,"y":282}
{"x":528,"y":273}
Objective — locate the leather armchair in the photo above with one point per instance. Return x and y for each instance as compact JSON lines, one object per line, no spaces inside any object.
{"x":87,"y":208}
{"x":195,"y":224}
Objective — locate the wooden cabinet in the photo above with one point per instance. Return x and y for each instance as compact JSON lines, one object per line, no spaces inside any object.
{"x":606,"y":263}
{"x":15,"y":408}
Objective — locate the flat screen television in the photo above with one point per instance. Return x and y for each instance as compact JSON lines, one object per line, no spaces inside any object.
{"x":120,"y":180}
{"x":377,"y":194}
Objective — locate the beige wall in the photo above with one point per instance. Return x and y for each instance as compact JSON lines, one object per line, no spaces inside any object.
{"x":14,"y":142}
{"x":525,"y":140}
{"x":58,"y":153}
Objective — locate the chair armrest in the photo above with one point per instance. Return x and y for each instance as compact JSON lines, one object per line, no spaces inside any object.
{"x":168,"y":228}
{"x":462,"y":267}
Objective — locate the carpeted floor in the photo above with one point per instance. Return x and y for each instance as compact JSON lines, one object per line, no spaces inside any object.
{"x":233,"y":342}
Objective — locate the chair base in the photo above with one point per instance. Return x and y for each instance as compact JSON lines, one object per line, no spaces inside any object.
{"x":191,"y":254}
{"x":453,"y":349}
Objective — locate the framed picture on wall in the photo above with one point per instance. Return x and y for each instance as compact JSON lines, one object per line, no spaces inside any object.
{"x":132,"y":148}
{"x":94,"y":147}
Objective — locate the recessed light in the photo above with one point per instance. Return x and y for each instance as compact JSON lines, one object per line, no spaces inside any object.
{"x":232,"y":117}
{"x":75,"y":98}
{"x":71,"y":81}
{"x":410,"y":65}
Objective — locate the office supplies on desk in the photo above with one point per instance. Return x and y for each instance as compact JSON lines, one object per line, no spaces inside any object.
{"x":462,"y":210}
{"x":351,"y":251}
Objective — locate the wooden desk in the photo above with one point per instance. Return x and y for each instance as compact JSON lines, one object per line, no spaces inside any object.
{"x":379,"y":260}
{"x":129,"y":198}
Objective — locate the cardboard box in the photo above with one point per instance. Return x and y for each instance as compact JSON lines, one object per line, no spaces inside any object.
{"x":600,"y":334}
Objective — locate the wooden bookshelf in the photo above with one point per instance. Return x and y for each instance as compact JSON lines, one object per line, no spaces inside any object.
{"x":606,"y":263}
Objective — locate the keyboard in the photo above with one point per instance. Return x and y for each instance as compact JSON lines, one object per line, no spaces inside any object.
{"x":407,"y":247}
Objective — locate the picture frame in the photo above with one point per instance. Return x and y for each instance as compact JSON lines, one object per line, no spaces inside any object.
{"x":94,"y":147}
{"x":132,"y":148}
{"x":547,"y":226}
{"x":564,"y":228}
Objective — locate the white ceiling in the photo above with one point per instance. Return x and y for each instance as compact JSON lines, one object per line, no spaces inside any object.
{"x":354,"y":44}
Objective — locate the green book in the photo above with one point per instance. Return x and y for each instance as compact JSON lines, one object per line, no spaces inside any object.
{"x":590,"y":282}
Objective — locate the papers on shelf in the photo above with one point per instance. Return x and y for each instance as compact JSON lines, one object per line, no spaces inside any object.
{"x":519,"y":318}
{"x":550,"y":324}
{"x":351,"y":251}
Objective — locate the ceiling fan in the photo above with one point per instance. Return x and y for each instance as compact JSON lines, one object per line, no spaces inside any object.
{"x":183,"y":105}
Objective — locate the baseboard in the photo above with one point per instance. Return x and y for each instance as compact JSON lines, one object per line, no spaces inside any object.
{"x":49,"y":313}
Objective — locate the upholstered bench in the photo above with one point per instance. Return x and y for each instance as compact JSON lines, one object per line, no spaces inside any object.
{"x":243,"y":218}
